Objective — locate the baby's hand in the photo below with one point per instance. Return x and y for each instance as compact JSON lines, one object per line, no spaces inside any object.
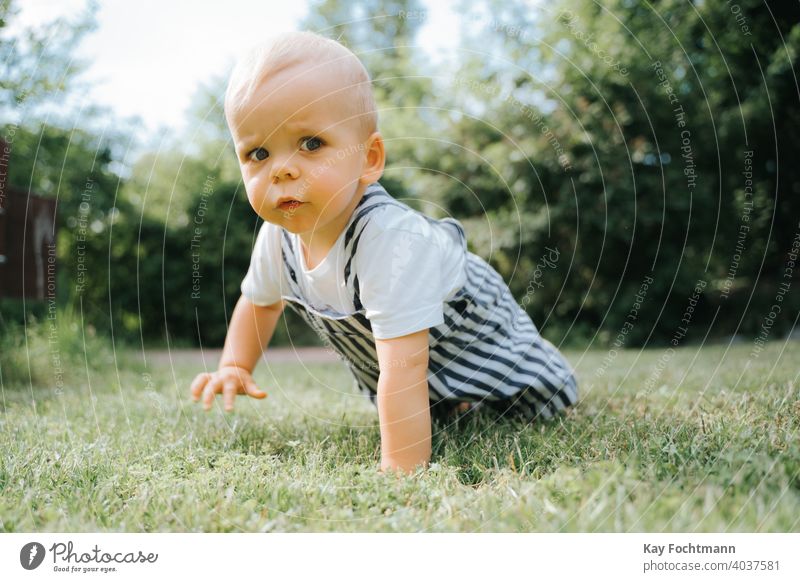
{"x":228,"y":381}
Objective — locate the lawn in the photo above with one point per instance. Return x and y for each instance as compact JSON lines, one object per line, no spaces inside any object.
{"x":704,"y":439}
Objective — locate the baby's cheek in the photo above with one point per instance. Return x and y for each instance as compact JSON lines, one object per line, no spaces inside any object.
{"x":251,"y":198}
{"x":257,"y":202}
{"x":324,"y":169}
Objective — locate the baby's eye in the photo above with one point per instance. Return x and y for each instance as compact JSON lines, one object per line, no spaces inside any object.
{"x":258,"y":154}
{"x":310,"y":144}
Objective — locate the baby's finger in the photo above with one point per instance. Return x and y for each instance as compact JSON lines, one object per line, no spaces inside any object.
{"x":229,"y":394}
{"x":197,"y":385}
{"x":212,"y":388}
{"x":251,"y":389}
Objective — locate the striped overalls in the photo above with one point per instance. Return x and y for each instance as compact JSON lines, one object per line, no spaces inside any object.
{"x":487,"y":350}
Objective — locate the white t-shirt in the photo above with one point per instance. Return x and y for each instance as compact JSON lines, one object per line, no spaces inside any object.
{"x":407,"y":267}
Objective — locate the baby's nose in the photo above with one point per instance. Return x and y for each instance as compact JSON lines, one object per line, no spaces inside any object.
{"x":284,"y":169}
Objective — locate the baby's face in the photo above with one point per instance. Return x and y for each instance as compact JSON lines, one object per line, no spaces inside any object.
{"x":294,"y":140}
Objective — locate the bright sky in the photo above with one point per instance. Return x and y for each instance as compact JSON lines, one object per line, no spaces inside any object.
{"x":148,"y":57}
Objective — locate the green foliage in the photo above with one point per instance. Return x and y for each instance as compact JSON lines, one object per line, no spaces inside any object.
{"x":611,"y":136}
{"x":578,"y":141}
{"x":52,"y":350}
{"x":39,"y":62}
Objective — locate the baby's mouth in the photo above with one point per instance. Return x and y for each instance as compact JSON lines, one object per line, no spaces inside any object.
{"x":289,"y":205}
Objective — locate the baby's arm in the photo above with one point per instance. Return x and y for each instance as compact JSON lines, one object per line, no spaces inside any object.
{"x":403,"y":404}
{"x":249,"y":332}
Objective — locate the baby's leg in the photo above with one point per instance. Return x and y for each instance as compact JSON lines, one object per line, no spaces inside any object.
{"x":462,"y":407}
{"x":531,"y":405}
{"x":445,"y":410}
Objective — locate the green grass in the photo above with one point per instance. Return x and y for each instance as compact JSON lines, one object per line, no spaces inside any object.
{"x":713,"y":446}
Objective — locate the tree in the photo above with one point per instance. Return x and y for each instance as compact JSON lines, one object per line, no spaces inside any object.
{"x":39,"y":62}
{"x":614,"y":133}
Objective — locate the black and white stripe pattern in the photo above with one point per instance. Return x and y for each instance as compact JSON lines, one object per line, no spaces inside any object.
{"x":487,"y":349}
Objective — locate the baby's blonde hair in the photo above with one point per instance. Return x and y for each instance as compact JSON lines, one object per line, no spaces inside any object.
{"x":280,"y":51}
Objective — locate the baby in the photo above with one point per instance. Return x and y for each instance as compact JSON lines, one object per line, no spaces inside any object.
{"x":423,"y":324}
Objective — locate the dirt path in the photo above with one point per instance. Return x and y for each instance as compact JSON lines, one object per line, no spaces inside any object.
{"x":210,"y":357}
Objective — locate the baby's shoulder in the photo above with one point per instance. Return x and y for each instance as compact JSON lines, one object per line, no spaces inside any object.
{"x":393,"y":218}
{"x":395,"y":222}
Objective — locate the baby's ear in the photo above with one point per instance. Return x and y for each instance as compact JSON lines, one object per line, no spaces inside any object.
{"x":375,"y":159}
